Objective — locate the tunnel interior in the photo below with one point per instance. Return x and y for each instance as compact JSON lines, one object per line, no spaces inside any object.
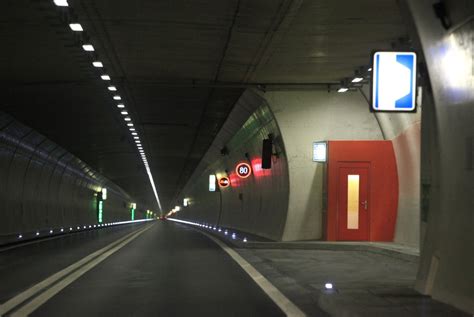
{"x":211,"y":114}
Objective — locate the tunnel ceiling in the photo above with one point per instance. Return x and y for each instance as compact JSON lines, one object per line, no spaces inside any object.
{"x":179,"y":65}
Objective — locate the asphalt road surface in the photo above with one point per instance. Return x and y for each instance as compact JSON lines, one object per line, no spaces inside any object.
{"x":158,"y":269}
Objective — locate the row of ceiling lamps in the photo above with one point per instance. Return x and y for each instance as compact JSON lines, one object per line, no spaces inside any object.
{"x":361,"y":76}
{"x":88,"y":47}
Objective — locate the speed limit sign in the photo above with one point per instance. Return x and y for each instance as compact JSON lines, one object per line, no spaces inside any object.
{"x":243,"y":170}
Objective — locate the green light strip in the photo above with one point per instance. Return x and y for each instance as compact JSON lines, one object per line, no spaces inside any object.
{"x":100,"y":211}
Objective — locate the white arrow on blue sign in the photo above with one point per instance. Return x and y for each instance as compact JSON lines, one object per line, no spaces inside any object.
{"x":394,"y":81}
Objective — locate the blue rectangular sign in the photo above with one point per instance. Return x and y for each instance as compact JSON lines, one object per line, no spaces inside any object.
{"x":394,"y":81}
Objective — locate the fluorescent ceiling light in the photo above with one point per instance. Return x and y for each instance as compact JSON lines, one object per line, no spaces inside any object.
{"x":121,"y":105}
{"x":61,"y":3}
{"x":97,"y":64}
{"x":136,"y":138}
{"x":88,"y":47}
{"x":128,"y":119}
{"x":130,"y":124}
{"x":112,"y":88}
{"x":357,"y":79}
{"x":124,"y":113}
{"x":134,"y":133}
{"x":76,"y":27}
{"x":117,"y":98}
{"x":105,"y":77}
{"x":132,"y":129}
{"x":342,"y":89}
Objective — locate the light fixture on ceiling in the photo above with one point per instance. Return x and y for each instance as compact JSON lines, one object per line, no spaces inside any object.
{"x":105,"y":77}
{"x":76,"y":27}
{"x":357,"y":79}
{"x":132,"y":129}
{"x":117,"y":98}
{"x":136,"y":138}
{"x":130,"y":124}
{"x":61,"y":3}
{"x":97,"y":64}
{"x":121,"y":106}
{"x":134,"y":133}
{"x":343,"y":89}
{"x":88,"y":47}
{"x":112,"y":88}
{"x":127,"y":119}
{"x":124,"y":113}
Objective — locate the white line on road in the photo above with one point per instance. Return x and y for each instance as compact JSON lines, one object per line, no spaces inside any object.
{"x":278,"y":297}
{"x":108,"y":250}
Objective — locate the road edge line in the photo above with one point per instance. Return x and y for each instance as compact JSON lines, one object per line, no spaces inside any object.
{"x":283,"y":302}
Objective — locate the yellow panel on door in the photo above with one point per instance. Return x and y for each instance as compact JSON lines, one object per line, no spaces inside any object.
{"x":353,"y":201}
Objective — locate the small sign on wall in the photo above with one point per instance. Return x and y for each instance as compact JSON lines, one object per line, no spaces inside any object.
{"x":212,"y":183}
{"x":320,"y":151}
{"x":224,"y":182}
{"x":243,"y":170}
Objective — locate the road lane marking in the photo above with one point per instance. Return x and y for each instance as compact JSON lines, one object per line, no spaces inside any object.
{"x":42,"y":298}
{"x":285,"y":304}
{"x":20,"y":298}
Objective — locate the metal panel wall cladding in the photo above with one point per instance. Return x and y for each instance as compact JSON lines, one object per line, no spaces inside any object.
{"x":44,"y":187}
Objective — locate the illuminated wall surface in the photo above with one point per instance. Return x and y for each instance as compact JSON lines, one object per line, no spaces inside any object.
{"x":42,"y":186}
{"x":255,"y":204}
{"x":447,"y":255}
{"x":289,"y":197}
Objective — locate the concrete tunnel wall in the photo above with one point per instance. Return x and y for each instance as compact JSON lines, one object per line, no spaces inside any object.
{"x":447,"y":256}
{"x":43,"y":187}
{"x":299,"y":118}
{"x":257,"y":204}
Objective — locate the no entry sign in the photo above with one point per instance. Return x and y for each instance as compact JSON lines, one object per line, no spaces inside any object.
{"x":224,"y":182}
{"x":243,"y":170}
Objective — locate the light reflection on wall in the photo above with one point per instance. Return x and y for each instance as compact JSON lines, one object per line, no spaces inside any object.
{"x":234,"y":180}
{"x":457,"y":65}
{"x":257,"y":168}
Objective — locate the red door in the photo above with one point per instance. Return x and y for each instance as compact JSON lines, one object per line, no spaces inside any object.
{"x":353,"y":201}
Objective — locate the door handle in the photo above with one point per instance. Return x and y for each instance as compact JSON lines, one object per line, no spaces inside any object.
{"x":365,"y":204}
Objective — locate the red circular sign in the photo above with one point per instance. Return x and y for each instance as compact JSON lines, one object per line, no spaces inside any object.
{"x":224,"y":182}
{"x":243,"y":170}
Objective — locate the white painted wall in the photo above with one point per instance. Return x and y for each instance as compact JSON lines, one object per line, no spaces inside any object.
{"x":305,"y":117}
